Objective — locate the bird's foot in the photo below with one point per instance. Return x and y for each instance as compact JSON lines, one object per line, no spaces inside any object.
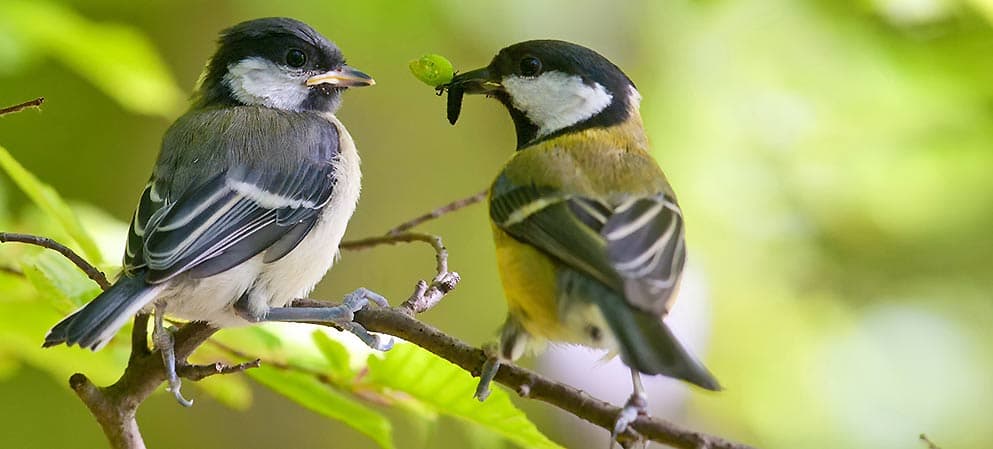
{"x":358,"y":300}
{"x":342,"y":316}
{"x":487,"y":372}
{"x":165,"y":342}
{"x":637,"y":405}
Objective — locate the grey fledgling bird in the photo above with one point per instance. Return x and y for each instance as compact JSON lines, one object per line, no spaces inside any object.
{"x":249,"y":199}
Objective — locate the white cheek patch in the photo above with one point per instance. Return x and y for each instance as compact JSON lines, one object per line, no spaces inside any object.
{"x":258,"y":81}
{"x":556,"y":100}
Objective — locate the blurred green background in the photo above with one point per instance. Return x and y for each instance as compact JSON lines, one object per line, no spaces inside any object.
{"x":833,"y":160}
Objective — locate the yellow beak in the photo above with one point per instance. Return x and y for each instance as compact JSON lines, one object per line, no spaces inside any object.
{"x":342,"y":77}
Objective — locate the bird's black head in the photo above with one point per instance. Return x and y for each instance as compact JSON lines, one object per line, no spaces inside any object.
{"x":552,"y":87}
{"x":278,"y":63}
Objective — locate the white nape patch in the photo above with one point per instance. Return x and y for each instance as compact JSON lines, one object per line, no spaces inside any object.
{"x":634,"y":99}
{"x":556,"y":100}
{"x":260,"y":82}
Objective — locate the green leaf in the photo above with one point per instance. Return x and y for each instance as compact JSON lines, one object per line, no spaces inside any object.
{"x":117,"y":59}
{"x":23,"y":323}
{"x":60,"y":280}
{"x":309,"y":392}
{"x":449,"y":390}
{"x":230,"y":390}
{"x":483,"y":438}
{"x":49,"y":201}
{"x":339,"y":361}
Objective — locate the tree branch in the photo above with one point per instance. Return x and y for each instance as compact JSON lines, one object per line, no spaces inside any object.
{"x":928,"y":442}
{"x":448,"y":208}
{"x":398,"y":322}
{"x":20,"y":107}
{"x":115,"y":406}
{"x":45,"y":242}
{"x":425,"y":295}
{"x":199,"y":372}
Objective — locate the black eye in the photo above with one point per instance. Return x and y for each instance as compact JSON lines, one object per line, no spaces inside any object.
{"x":530,"y":66}
{"x":295,"y":58}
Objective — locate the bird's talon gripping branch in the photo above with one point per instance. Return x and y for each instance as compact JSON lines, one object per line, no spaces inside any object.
{"x":340,"y":316}
{"x":637,"y":405}
{"x":374,"y":341}
{"x":361,"y":297}
{"x":358,"y":300}
{"x":488,"y":371}
{"x":164,"y":342}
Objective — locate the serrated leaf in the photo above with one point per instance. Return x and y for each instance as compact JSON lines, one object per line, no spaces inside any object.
{"x":60,"y":280}
{"x":339,"y":361}
{"x":309,"y":392}
{"x":49,"y":201}
{"x":449,"y":390}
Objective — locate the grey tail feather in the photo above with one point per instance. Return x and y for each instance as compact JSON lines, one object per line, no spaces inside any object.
{"x":648,"y":345}
{"x":98,"y":321}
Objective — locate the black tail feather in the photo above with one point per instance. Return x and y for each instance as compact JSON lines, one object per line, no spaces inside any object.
{"x":94,"y":324}
{"x":648,"y":345}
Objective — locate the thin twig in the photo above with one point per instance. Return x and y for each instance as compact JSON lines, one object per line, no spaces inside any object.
{"x":425,"y":295}
{"x":930,"y":444}
{"x":450,"y":207}
{"x":20,"y":107}
{"x":200,"y":372}
{"x":91,"y":271}
{"x":441,"y":253}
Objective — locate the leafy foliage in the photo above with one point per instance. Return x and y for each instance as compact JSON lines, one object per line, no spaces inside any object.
{"x":50,"y":202}
{"x":310,"y":392}
{"x":447,"y":389}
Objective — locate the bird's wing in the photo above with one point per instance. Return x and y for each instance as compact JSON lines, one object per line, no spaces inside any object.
{"x":233,"y":217}
{"x":227,"y":220}
{"x":635,"y":248}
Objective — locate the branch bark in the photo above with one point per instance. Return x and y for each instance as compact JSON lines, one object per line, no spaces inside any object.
{"x":36,"y":103}
{"x":91,"y":271}
{"x":115,"y":406}
{"x":399,"y":322}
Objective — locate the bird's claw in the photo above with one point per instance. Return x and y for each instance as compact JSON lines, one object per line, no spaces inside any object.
{"x":637,"y":405}
{"x":175,"y":388}
{"x":487,"y":372}
{"x":358,"y":300}
{"x":164,"y":342}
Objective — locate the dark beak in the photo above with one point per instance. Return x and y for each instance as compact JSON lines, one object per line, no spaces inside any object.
{"x":342,"y":77}
{"x":479,"y":81}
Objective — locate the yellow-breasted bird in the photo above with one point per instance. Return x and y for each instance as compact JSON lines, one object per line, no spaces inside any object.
{"x":589,"y":237}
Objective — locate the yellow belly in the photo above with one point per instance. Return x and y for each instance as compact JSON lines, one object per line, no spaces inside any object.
{"x":529,"y":284}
